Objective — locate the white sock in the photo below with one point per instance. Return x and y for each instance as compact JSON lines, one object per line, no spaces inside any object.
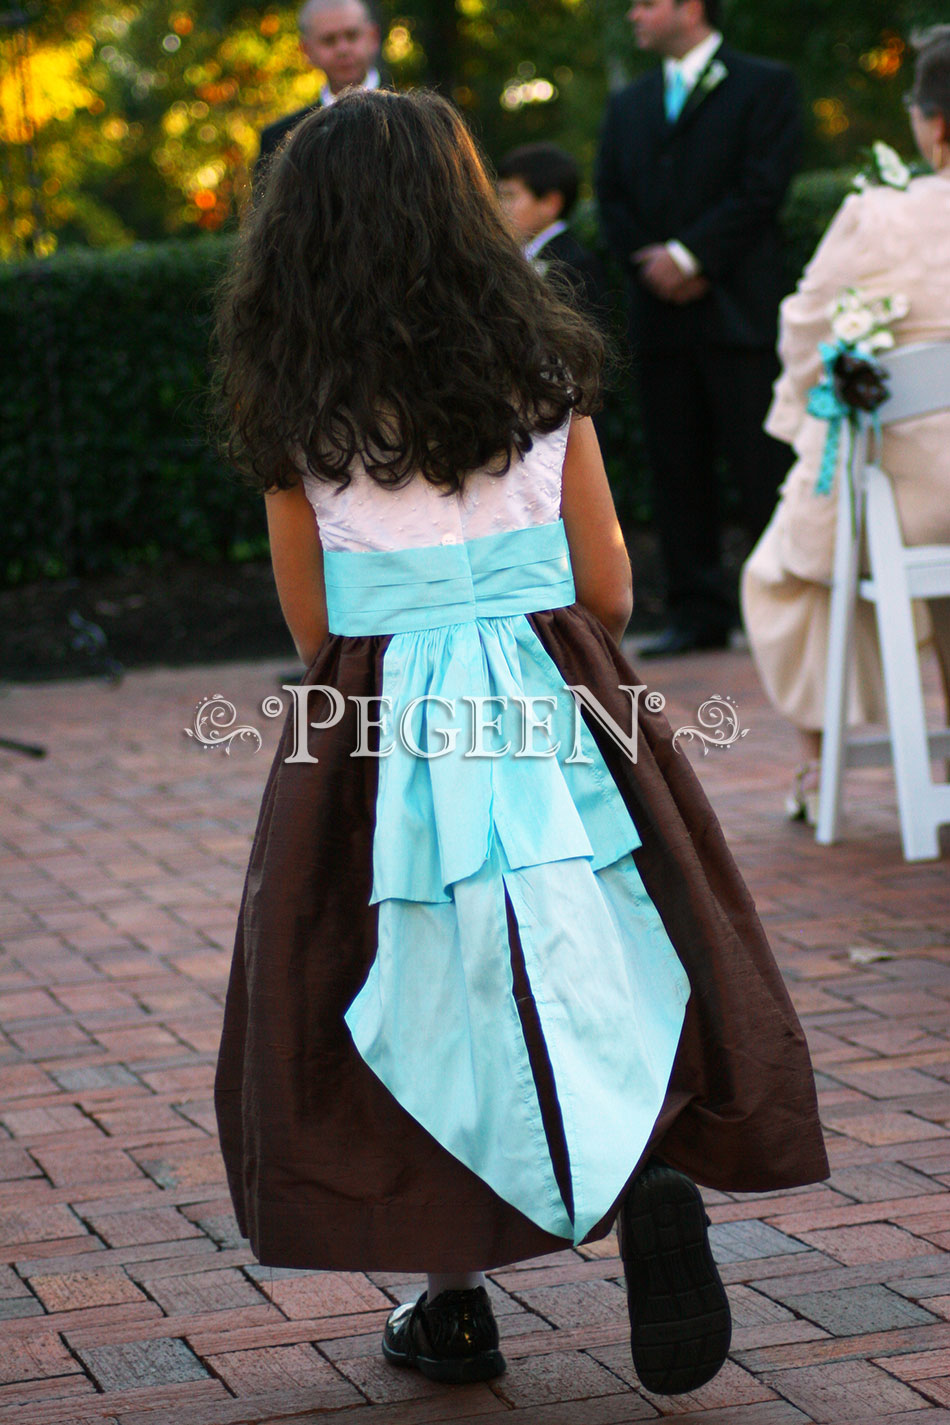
{"x":453,"y":1281}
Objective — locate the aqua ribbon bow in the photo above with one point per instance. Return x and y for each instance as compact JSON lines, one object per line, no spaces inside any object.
{"x":825,"y":403}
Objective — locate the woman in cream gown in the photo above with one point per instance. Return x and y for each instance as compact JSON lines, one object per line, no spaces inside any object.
{"x":885,"y":241}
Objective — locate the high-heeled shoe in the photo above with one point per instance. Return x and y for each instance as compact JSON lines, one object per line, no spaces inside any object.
{"x":801,"y":804}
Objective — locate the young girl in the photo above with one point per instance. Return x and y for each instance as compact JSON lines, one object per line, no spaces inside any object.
{"x":496,"y":976}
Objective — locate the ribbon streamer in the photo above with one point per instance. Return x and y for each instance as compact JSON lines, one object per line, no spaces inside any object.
{"x":825,"y":403}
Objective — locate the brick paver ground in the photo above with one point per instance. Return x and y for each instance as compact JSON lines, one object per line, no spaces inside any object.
{"x":126,"y":1294}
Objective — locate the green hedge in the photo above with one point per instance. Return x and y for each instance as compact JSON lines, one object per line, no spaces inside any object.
{"x":813,"y":200}
{"x":103,"y":367}
{"x":103,"y":370}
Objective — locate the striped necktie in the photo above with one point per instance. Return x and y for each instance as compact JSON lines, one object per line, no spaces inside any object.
{"x":675,"y":95}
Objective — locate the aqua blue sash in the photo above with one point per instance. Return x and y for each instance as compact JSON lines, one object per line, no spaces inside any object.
{"x":516,"y":572}
{"x":458,"y":839}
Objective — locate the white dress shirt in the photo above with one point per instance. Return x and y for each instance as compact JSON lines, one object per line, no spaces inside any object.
{"x":690,"y":67}
{"x":532,"y":248}
{"x":327,"y":96}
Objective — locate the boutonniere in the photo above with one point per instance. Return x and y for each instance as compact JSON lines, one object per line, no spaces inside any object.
{"x":713,"y":77}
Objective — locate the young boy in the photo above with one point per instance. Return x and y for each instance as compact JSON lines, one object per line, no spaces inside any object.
{"x":537,"y":186}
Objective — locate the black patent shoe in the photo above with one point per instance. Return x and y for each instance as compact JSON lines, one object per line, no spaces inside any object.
{"x":454,"y":1339}
{"x":680,"y":1326}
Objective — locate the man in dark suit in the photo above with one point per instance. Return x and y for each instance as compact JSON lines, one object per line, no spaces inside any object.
{"x":538,"y":185}
{"x":695,"y":159}
{"x":341,"y":38}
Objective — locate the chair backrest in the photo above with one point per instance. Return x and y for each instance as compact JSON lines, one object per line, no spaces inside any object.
{"x":919,"y":381}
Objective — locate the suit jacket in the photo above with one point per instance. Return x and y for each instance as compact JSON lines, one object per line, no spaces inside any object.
{"x":274,"y":134}
{"x":582,"y":269}
{"x":715,"y":180}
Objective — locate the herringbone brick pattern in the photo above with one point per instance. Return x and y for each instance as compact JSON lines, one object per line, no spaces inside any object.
{"x":126,"y":1295}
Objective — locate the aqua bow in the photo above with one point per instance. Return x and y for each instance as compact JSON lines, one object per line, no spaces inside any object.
{"x":825,"y":403}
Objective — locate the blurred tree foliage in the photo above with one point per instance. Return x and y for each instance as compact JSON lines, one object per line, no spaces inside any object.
{"x":138,"y":119}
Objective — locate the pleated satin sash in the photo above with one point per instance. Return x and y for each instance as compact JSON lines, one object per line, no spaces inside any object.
{"x":396,"y":591}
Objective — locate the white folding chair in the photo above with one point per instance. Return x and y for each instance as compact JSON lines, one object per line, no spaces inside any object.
{"x":867,"y":519}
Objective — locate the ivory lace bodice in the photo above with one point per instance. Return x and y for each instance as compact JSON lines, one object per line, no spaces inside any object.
{"x":367,"y":516}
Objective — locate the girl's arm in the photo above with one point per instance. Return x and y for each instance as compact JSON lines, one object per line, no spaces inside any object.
{"x":601,"y":565}
{"x":297,"y":557}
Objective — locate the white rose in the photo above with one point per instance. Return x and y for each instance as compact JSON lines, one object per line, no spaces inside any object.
{"x":898,"y":306}
{"x":894,"y":172}
{"x":852,"y":326}
{"x":859,"y":182}
{"x":895,"y":177}
{"x":880,"y":340}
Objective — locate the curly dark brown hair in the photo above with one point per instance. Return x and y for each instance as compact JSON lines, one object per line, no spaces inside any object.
{"x":378,"y":309}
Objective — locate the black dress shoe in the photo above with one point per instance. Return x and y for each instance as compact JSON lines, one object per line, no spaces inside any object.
{"x":681,"y":639}
{"x":680,"y":1327}
{"x":454,"y":1339}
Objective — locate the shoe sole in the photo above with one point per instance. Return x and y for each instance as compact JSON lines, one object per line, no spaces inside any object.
{"x":679,"y":1312}
{"x":462,"y":1371}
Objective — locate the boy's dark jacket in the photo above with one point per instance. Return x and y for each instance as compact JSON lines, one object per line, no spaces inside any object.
{"x":582,"y":269}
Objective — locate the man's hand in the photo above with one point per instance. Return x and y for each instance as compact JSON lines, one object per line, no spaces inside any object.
{"x":690,"y":290}
{"x":665,"y":279}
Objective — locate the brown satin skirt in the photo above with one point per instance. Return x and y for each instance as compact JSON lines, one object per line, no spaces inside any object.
{"x":325,"y":1168}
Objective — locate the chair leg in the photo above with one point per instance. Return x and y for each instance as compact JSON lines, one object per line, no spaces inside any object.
{"x":907,"y":719}
{"x":903,"y":688}
{"x":837,"y":677}
{"x":832,"y":757}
